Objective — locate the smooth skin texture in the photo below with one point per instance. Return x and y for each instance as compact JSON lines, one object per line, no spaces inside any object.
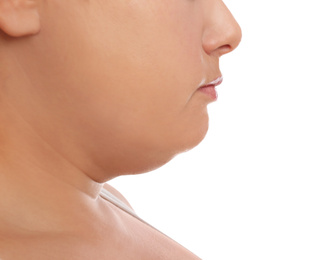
{"x":91,"y":90}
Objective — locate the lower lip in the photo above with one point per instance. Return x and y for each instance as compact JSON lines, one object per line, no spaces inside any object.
{"x":210,"y":92}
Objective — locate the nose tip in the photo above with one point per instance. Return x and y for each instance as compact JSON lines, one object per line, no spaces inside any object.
{"x":222,"y":32}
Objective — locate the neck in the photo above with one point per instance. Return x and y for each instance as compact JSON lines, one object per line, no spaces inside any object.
{"x":35,"y":178}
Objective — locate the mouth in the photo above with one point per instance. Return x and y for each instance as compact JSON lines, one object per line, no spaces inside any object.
{"x":209,"y":88}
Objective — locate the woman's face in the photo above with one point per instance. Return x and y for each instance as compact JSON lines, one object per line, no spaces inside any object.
{"x":120,"y":77}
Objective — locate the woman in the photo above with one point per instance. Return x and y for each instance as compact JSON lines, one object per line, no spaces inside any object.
{"x":90,"y":90}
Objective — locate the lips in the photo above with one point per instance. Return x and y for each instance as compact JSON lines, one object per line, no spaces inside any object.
{"x":209,"y":88}
{"x":214,"y":83}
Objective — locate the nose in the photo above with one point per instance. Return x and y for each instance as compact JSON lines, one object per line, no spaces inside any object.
{"x":222,"y":34}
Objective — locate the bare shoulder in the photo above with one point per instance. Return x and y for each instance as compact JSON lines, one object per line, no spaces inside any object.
{"x":116,"y":193}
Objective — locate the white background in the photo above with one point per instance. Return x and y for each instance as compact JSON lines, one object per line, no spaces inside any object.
{"x":248,"y":190}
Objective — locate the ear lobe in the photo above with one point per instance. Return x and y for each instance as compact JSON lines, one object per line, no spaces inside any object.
{"x":19,"y":17}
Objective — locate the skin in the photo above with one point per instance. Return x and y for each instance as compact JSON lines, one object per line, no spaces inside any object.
{"x":91,"y":90}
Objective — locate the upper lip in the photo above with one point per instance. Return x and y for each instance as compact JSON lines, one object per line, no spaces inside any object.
{"x":213,"y":83}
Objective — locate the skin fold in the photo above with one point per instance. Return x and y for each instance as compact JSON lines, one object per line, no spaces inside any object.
{"x":91,"y":90}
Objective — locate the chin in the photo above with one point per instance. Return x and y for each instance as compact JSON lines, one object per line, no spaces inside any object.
{"x":154,"y":149}
{"x":146,"y":160}
{"x":181,"y":141}
{"x":193,"y":133}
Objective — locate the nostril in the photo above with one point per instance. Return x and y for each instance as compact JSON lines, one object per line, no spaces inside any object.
{"x":224,"y":49}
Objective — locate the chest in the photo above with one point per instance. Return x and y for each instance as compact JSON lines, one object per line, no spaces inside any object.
{"x":125,"y":238}
{"x":138,"y":240}
{"x":137,"y":244}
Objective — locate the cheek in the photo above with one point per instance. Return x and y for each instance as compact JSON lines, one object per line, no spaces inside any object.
{"x":143,"y":82}
{"x":130,"y":84}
